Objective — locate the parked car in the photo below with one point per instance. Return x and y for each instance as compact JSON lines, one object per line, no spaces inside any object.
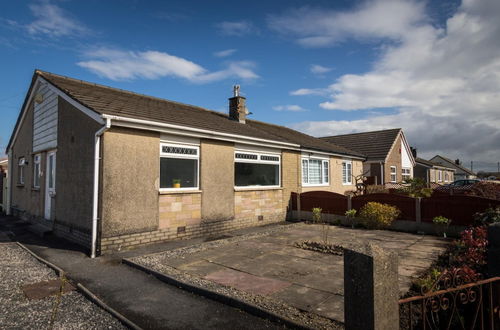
{"x":461,"y":183}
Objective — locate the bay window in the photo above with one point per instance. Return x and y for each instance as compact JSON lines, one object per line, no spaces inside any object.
{"x":179,"y":166}
{"x":256,"y":169}
{"x":315,"y":171}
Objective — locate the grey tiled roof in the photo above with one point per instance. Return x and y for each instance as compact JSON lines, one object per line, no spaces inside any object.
{"x":453,"y":165}
{"x":375,"y":145}
{"x":112,"y":101}
{"x":431,"y":164}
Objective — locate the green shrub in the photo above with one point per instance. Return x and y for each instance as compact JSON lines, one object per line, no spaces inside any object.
{"x":490,"y":215}
{"x":416,"y":187}
{"x":316,"y":214}
{"x":378,"y":216}
{"x":440,"y":220}
{"x":351,"y":213}
{"x":376,"y":189}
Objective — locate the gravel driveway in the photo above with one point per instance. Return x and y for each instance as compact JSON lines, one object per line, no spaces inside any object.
{"x":17,"y":269}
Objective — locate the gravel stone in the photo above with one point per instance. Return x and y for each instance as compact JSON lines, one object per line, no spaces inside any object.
{"x":74,"y":311}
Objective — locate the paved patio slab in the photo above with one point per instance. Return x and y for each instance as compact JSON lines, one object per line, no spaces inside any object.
{"x":310,"y":281}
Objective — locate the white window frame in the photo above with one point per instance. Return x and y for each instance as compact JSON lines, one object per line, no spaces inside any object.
{"x":324,"y":162}
{"x":21,"y":174}
{"x":259,"y":161}
{"x":440,"y":176}
{"x":394,"y":171}
{"x":181,"y":156}
{"x":348,"y":181}
{"x":446,"y":176}
{"x":37,"y":170}
{"x":405,"y":173}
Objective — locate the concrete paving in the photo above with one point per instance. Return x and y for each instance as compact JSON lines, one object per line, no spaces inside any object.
{"x":149,"y":303}
{"x":271,"y":265}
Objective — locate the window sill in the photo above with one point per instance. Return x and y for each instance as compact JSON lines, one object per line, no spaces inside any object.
{"x":347,"y":184}
{"x":20,"y":185}
{"x":179,"y":191}
{"x":35,"y":189}
{"x":256,"y":188}
{"x":315,"y":185}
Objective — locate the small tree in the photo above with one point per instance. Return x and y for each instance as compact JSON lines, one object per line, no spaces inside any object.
{"x":417,"y":188}
{"x":351,"y":214}
{"x":325,"y":227}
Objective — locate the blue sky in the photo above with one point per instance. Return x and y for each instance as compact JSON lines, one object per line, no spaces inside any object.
{"x":323,"y":67}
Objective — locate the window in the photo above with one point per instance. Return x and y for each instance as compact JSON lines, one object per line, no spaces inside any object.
{"x":440,"y":176}
{"x":315,"y":171}
{"x":446,"y":177}
{"x":405,"y":174}
{"x":21,"y":165}
{"x":255,"y":169}
{"x":36,"y":171}
{"x":346,"y":172}
{"x":393,"y":174}
{"x":179,"y":166}
{"x":51,"y":170}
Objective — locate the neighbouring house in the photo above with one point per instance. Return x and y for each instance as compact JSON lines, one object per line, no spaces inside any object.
{"x":432,"y":172}
{"x":4,"y":188}
{"x":111,"y":169}
{"x":389,"y":157}
{"x":461,"y":172}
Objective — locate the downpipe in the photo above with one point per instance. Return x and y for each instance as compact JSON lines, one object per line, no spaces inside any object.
{"x":95,"y":202}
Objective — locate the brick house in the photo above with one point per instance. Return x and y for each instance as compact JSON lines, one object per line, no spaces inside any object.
{"x":110,"y":169}
{"x":389,"y":157}
{"x":432,"y":172}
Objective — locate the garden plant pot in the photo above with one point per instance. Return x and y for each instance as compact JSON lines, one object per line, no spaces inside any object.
{"x":441,"y":229}
{"x":177,"y":185}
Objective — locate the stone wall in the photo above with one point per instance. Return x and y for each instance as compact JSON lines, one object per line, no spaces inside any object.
{"x":258,"y":203}
{"x":211,"y":228}
{"x":179,"y":210}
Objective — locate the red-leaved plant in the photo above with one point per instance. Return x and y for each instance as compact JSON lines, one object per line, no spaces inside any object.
{"x":471,"y":249}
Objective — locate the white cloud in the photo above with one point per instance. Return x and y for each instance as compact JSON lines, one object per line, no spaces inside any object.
{"x":289,"y":107}
{"x":236,"y":28}
{"x":53,"y":21}
{"x":310,"y":91}
{"x":315,"y":27}
{"x":319,"y":69}
{"x":124,"y":65}
{"x":441,"y":82}
{"x":225,"y":53}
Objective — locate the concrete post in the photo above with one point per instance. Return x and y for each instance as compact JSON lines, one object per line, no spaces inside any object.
{"x":299,"y":216}
{"x":371,"y":290}
{"x":494,"y":249}
{"x":349,"y":202}
{"x":418,"y":210}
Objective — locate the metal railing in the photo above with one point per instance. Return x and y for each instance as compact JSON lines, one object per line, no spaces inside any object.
{"x":454,"y":302}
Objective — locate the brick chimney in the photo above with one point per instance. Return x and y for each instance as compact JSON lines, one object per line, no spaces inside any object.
{"x":237,"y":109}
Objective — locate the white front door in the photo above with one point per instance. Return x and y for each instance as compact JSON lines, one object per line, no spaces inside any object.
{"x":50,"y":183}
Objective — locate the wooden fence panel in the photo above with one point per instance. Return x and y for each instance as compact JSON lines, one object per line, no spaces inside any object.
{"x":459,"y":208}
{"x":407,"y":205}
{"x":329,"y":202}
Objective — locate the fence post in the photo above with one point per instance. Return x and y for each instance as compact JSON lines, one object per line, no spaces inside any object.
{"x":349,"y":202}
{"x":299,"y":218}
{"x":418,"y":211}
{"x":371,"y":290}
{"x":494,"y":249}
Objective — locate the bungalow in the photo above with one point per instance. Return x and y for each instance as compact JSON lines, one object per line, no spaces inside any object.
{"x":461,"y":172}
{"x":389,"y":156}
{"x":111,"y":169}
{"x":432,"y":172}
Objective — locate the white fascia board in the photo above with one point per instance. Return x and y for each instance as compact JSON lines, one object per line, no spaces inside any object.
{"x":196,"y":132}
{"x":309,"y":151}
{"x":91,"y":113}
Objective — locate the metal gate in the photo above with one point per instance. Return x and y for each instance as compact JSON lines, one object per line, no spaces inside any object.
{"x":454,"y":302}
